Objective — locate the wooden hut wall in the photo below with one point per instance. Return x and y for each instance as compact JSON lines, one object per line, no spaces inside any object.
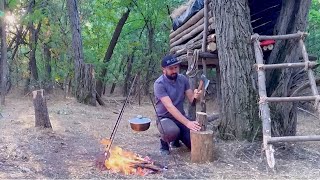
{"x":188,"y":37}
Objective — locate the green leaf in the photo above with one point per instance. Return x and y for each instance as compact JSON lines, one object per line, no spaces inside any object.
{"x":1,"y":13}
{"x":12,"y":4}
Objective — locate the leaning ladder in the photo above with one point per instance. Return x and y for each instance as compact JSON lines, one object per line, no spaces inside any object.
{"x":268,"y":140}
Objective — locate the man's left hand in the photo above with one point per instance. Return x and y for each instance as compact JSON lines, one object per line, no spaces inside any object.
{"x":197,"y":94}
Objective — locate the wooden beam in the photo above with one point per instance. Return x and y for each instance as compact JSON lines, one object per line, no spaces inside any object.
{"x":291,"y":99}
{"x":293,"y":139}
{"x":286,"y":65}
{"x":189,"y":23}
{"x":280,"y":37}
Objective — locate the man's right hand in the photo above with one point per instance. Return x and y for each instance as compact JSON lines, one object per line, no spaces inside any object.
{"x":193,"y":125}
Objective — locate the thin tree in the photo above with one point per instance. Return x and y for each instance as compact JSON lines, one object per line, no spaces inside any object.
{"x":3,"y":64}
{"x":33,"y":39}
{"x":109,"y":52}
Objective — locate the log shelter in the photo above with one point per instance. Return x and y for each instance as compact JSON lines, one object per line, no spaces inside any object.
{"x":194,"y":40}
{"x":194,"y":44}
{"x":189,"y":36}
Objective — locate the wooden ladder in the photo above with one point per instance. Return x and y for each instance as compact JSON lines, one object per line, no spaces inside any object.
{"x":268,"y":140}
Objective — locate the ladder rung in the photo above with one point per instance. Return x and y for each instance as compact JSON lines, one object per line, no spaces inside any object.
{"x":291,"y":99}
{"x":280,"y":37}
{"x":293,"y":139}
{"x":311,"y":64}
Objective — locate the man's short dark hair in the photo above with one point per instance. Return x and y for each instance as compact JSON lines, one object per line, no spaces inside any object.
{"x":169,"y":60}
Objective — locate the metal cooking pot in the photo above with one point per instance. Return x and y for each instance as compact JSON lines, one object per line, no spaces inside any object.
{"x":140,"y":123}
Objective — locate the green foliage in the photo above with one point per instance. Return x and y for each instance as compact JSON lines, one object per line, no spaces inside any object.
{"x":98,"y":20}
{"x":313,"y":41}
{"x":12,"y":4}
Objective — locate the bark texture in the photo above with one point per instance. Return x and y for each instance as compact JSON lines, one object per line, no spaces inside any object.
{"x":239,"y":110}
{"x":282,"y":82}
{"x":41,"y":110}
{"x":85,"y":89}
{"x":47,"y":56}
{"x":3,"y":64}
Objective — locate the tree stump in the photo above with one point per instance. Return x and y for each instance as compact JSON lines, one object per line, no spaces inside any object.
{"x":201,"y":141}
{"x":201,"y":146}
{"x":41,"y":110}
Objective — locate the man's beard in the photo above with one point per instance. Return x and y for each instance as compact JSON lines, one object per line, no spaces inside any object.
{"x":173,"y":76}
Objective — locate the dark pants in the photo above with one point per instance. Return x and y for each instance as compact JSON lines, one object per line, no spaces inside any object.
{"x":172,"y":130}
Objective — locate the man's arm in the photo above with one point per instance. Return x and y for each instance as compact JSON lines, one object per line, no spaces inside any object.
{"x":192,"y":125}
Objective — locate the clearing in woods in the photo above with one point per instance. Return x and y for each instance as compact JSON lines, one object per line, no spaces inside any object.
{"x":69,"y":150}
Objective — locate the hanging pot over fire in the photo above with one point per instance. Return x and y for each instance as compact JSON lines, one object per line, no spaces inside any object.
{"x":140,"y":123}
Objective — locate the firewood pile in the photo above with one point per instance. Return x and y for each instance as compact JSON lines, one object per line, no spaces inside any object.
{"x":189,"y":36}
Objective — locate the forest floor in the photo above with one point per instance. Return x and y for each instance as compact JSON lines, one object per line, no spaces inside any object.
{"x":69,"y":150}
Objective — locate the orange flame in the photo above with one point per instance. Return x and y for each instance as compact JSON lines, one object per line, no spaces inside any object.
{"x":121,"y":161}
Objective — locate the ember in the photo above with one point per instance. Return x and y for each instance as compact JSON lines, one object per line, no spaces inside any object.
{"x":121,"y":161}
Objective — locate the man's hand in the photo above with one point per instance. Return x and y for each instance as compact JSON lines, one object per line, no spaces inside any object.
{"x":193,"y":125}
{"x":197,"y":94}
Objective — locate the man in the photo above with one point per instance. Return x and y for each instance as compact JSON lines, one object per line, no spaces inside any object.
{"x":170,"y":90}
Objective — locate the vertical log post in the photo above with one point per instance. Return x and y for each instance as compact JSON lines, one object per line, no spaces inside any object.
{"x":204,"y":49}
{"x":41,"y":110}
{"x":202,"y":141}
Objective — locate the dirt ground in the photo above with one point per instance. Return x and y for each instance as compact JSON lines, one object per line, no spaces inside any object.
{"x":69,"y":151}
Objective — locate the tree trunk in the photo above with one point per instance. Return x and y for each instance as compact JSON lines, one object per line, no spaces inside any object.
{"x":293,"y":18}
{"x":33,"y":38}
{"x":3,"y":64}
{"x":110,"y":49}
{"x":47,"y":57}
{"x":41,"y":110}
{"x":239,"y":110}
{"x":150,"y":50}
{"x":128,"y":74}
{"x":86,"y":94}
{"x":85,"y":89}
{"x":120,"y":69}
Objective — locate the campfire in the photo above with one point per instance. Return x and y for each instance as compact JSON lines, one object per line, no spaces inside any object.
{"x":126,"y":162}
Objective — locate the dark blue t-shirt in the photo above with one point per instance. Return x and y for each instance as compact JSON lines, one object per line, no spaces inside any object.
{"x":174,"y":89}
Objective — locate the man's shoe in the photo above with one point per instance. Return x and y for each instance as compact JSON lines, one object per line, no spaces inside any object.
{"x":175,"y":144}
{"x":164,"y":152}
{"x":164,"y":149}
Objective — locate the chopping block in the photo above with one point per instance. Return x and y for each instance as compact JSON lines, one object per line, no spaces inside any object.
{"x":201,"y":141}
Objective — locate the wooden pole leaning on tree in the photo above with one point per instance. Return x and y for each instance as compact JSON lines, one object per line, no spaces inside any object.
{"x":201,"y":141}
{"x":41,"y":110}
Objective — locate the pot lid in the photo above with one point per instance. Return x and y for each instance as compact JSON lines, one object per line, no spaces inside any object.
{"x":140,"y":120}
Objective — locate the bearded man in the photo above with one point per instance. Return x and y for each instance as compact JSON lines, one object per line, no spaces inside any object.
{"x":170,"y":90}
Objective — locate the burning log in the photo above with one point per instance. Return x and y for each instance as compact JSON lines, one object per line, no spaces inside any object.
{"x":126,"y":162}
{"x":148,"y":166}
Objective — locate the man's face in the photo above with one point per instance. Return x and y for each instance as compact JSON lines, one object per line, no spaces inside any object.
{"x":171,"y":72}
